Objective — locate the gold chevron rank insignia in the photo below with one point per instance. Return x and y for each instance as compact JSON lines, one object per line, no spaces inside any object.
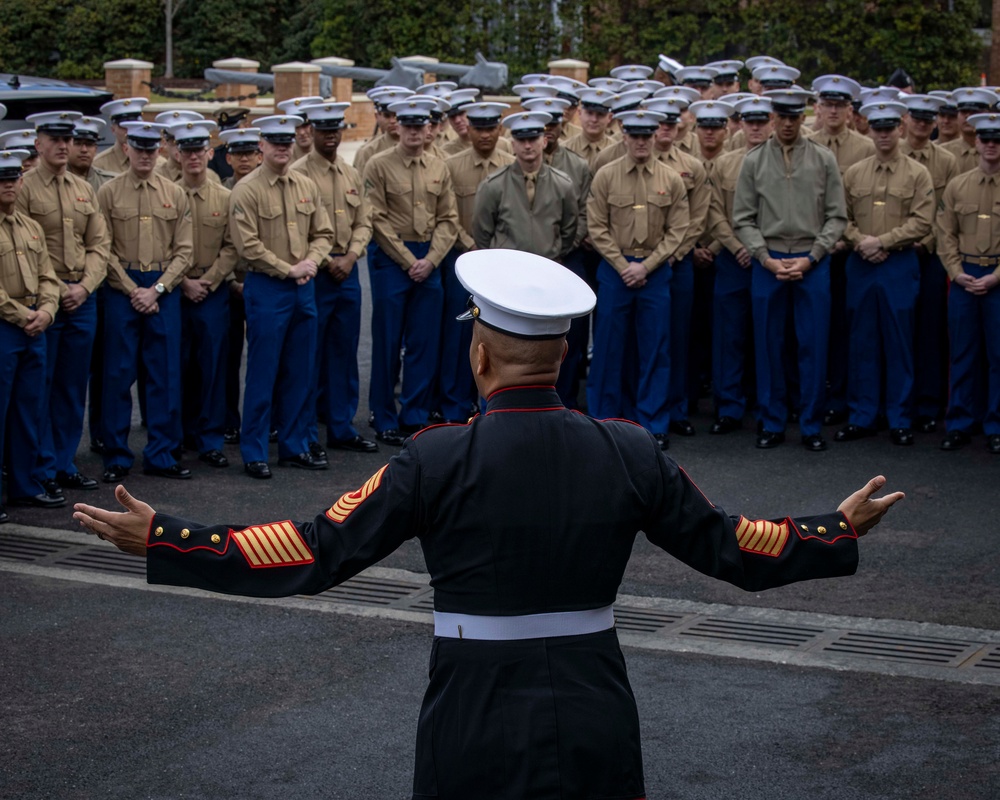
{"x":277,"y":544}
{"x":761,"y":536}
{"x":347,"y":504}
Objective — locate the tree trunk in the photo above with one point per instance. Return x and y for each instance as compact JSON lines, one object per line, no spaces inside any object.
{"x":168,"y":13}
{"x":994,"y":78}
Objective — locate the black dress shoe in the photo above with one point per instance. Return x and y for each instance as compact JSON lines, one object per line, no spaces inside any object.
{"x":926,"y":424}
{"x":214,"y":458}
{"x":173,"y":471}
{"x":302,"y":461}
{"x":272,"y":437}
{"x":851,"y":433}
{"x":42,"y":500}
{"x":114,"y":473}
{"x":725,"y":425}
{"x":662,"y":440}
{"x":75,"y":481}
{"x":901,"y":436}
{"x":993,"y":444}
{"x":832,"y":417}
{"x":318,"y":453}
{"x":4,"y":516}
{"x":814,"y":443}
{"x":52,"y":487}
{"x":359,"y":444}
{"x":97,"y":446}
{"x":257,"y":469}
{"x":682,"y":428}
{"x":391,"y":436}
{"x":768,"y":439}
{"x":955,"y":440}
{"x":231,"y":436}
{"x":435,"y":418}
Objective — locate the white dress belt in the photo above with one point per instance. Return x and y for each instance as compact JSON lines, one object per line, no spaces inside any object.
{"x":526,"y":626}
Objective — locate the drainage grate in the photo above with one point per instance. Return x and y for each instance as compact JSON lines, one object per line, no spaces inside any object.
{"x":660,"y":623}
{"x":23,"y":548}
{"x":991,"y":660}
{"x":900,"y":648}
{"x":370,"y":591}
{"x":103,"y":560}
{"x":752,"y":632}
{"x":642,"y":620}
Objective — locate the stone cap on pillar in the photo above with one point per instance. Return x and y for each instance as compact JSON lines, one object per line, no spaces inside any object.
{"x":569,"y":63}
{"x":333,"y":61}
{"x":236,"y":63}
{"x":295,"y":66}
{"x":427,"y":59}
{"x":128,"y":63}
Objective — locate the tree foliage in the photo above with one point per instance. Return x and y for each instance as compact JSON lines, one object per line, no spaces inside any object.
{"x":866,"y":39}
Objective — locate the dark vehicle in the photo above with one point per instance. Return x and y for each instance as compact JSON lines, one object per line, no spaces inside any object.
{"x":24,"y":95}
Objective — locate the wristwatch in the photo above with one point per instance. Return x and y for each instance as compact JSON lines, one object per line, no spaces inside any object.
{"x":160,"y":288}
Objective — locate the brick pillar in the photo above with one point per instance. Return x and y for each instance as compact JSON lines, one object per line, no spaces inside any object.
{"x":343,"y":88}
{"x":128,"y":77}
{"x":429,"y":77}
{"x":295,"y":79}
{"x":570,"y":68}
{"x":237,"y":89}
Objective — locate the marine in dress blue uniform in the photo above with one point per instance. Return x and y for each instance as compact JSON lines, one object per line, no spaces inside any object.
{"x":527,"y":517}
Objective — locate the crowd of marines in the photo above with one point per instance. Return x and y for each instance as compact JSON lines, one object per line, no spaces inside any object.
{"x":837,"y":272}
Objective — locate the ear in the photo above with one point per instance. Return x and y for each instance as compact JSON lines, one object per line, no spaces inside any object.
{"x":482,"y":358}
{"x":564,"y":352}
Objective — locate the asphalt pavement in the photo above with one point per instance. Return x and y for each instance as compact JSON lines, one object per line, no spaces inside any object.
{"x":114,"y":692}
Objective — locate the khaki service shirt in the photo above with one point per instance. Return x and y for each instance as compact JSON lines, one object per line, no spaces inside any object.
{"x":848,"y":147}
{"x":379,"y":144}
{"x":578,"y":171}
{"x":112,"y":160}
{"x":966,"y":155}
{"x":968,"y":220}
{"x":795,"y":210}
{"x":469,"y":169}
{"x":503,"y":217}
{"x":26,"y":274}
{"x":97,"y":177}
{"x":343,"y":197}
{"x":76,"y":235}
{"x":412,"y":200}
{"x":276,"y":221}
{"x":942,"y":166}
{"x":638,"y":210}
{"x":695,"y":178}
{"x":215,"y":254}
{"x":586,"y":149}
{"x":609,"y":154}
{"x":722,"y":176}
{"x":150,"y":224}
{"x":893,"y":200}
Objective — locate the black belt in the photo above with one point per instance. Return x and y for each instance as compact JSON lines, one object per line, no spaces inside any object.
{"x":981,"y":261}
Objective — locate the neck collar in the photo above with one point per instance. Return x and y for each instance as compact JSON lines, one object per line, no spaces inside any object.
{"x":524,"y":398}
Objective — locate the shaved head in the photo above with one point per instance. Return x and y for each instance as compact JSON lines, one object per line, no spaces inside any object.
{"x":499,"y":360}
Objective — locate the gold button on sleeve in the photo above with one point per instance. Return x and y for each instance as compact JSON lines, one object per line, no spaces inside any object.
{"x":843,"y":526}
{"x":805,"y":528}
{"x":820,"y":530}
{"x":158,"y":532}
{"x":216,"y":538}
{"x":185,"y":533}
